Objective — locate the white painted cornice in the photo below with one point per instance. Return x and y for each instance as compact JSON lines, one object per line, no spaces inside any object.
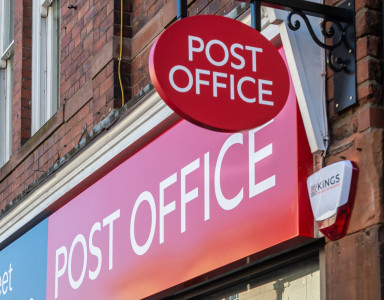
{"x":146,"y":115}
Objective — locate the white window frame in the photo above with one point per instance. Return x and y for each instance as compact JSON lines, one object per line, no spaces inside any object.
{"x":45,"y":61}
{"x":6,"y":78}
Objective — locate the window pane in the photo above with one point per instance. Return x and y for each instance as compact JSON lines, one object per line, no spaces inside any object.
{"x":2,"y":116}
{"x":6,"y":24}
{"x":9,"y":102}
{"x":6,"y":85}
{"x":11,"y":23}
{"x":45,"y":63}
{"x":300,"y":281}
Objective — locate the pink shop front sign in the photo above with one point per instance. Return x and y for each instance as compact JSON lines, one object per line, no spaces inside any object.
{"x":161,"y":217}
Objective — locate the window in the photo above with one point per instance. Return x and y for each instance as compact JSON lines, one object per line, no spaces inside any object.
{"x":6,"y":78}
{"x":299,"y":280}
{"x":291,"y":275}
{"x":45,"y":61}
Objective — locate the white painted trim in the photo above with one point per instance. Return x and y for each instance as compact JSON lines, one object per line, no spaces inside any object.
{"x":308,"y":111}
{"x":8,"y":110}
{"x":45,"y":4}
{"x":3,"y":24}
{"x":45,"y":58}
{"x":51,"y":62}
{"x":6,"y":85}
{"x":43,"y":11}
{"x":6,"y":38}
{"x":8,"y":53}
{"x":2,"y":116}
{"x":36,"y":66}
{"x":146,"y":116}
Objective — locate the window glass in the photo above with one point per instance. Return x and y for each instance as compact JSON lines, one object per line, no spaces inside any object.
{"x":299,"y":281}
{"x":6,"y":24}
{"x":6,"y":78}
{"x":45,"y":61}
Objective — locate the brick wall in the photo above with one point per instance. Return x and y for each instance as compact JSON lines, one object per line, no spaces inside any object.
{"x":89,"y":89}
{"x":22,"y":73}
{"x":89,"y":84}
{"x":354,"y":263}
{"x":150,"y":18}
{"x":356,"y":133}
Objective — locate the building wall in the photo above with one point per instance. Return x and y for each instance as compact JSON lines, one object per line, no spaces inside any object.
{"x":89,"y":85}
{"x":89,"y":91}
{"x":354,"y":263}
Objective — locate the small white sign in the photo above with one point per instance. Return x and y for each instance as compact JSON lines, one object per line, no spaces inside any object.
{"x":329,"y":189}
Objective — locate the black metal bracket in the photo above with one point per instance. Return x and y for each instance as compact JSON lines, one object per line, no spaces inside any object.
{"x":339,"y":44}
{"x":338,"y":40}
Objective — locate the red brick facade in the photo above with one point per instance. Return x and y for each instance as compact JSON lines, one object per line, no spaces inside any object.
{"x":89,"y":91}
{"x":89,"y":88}
{"x":353,"y":262}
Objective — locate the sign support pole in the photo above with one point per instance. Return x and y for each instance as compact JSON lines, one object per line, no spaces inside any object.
{"x":256,"y":14}
{"x":182,"y":11}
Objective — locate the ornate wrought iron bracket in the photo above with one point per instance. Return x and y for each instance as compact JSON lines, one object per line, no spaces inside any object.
{"x":338,"y":37}
{"x":337,"y":32}
{"x":339,"y":42}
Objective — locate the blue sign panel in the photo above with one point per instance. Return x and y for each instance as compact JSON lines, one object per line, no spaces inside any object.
{"x":23,"y":266}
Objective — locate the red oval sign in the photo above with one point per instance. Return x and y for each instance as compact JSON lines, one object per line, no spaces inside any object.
{"x":219,"y":73}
